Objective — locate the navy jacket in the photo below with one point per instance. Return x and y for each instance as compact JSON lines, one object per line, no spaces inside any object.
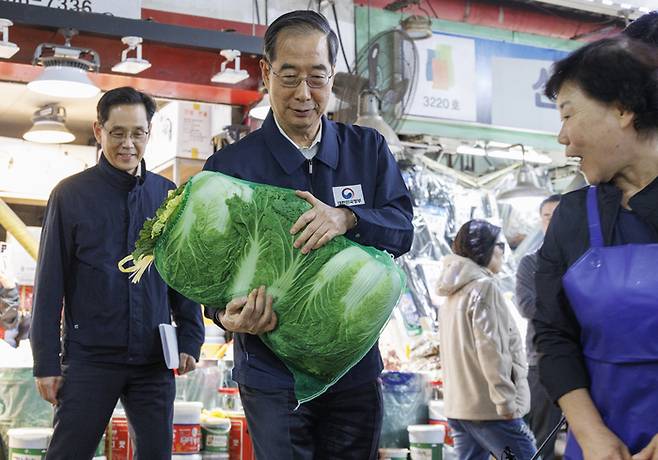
{"x":348,"y":156}
{"x":92,"y":221}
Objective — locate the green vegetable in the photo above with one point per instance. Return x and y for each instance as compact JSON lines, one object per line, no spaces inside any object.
{"x":217,"y":238}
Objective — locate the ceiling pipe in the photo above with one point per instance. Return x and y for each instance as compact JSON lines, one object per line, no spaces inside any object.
{"x":14,"y":225}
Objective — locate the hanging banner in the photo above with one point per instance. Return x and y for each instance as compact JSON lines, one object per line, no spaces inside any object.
{"x":131,"y":9}
{"x":446,"y":79}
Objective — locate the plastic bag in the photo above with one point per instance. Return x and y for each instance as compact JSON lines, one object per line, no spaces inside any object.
{"x":218,"y":237}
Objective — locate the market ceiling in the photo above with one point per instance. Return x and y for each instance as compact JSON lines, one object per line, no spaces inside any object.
{"x":183,"y":58}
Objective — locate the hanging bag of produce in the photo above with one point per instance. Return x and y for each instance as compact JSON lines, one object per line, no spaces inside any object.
{"x":217,"y":238}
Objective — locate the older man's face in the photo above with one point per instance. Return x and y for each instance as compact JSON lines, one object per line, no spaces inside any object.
{"x":299,"y":109}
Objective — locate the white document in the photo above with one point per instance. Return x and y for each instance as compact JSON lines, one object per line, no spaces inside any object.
{"x":169,"y":345}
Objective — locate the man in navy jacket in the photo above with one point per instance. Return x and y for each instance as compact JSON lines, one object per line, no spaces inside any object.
{"x":111,"y":346}
{"x":349,"y":176}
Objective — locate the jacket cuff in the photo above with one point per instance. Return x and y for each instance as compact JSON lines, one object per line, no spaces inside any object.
{"x":562,"y":374}
{"x":193,"y":350}
{"x":505,"y":409}
{"x":41,"y":369}
{"x":212,"y":313}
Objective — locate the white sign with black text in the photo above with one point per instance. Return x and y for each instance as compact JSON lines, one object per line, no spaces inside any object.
{"x":131,"y":9}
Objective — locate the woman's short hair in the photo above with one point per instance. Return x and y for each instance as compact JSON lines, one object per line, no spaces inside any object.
{"x":644,"y":28}
{"x":614,"y":71}
{"x":476,"y":240}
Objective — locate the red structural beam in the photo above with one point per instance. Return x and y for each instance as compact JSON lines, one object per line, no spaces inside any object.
{"x":504,"y":15}
{"x":198,"y":22}
{"x":24,"y":73}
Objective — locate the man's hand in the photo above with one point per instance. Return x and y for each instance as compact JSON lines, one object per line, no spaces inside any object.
{"x":252,"y":314}
{"x":187,"y":363}
{"x":48,"y":388}
{"x":602,"y":444}
{"x":650,"y":452}
{"x":321,"y":224}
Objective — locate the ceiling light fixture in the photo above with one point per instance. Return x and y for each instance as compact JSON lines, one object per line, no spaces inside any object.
{"x":65,"y":69}
{"x":417,"y":27}
{"x":260,"y":110}
{"x":230,"y":76}
{"x":131,"y":65}
{"x":526,"y":187}
{"x":48,"y":126}
{"x":7,"y":48}
{"x":505,"y":153}
{"x":369,"y":117}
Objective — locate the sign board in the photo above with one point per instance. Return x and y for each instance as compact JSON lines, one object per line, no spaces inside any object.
{"x":131,"y":9}
{"x":446,"y":79}
{"x":517,"y":95}
{"x":490,"y":82}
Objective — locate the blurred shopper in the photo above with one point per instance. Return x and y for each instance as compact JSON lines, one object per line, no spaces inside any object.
{"x":485,"y":375}
{"x":350,"y":178}
{"x":544,"y":414}
{"x":111,"y":346}
{"x":9,"y":313}
{"x":597,"y":282}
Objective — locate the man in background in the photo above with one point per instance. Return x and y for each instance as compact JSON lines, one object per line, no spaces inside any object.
{"x":544,"y":413}
{"x":110,"y":348}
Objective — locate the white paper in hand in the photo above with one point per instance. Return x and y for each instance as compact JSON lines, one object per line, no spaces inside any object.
{"x":169,"y":345}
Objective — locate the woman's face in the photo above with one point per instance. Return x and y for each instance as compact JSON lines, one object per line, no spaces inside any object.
{"x":597,"y":133}
{"x":497,"y":258}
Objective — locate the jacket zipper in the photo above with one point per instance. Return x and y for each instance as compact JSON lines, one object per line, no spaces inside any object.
{"x":310,"y":174}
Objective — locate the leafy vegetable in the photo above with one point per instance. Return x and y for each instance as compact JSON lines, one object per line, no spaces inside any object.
{"x":219,"y":237}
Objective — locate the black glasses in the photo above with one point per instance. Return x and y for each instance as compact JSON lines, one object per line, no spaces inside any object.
{"x":118,"y":135}
{"x":293,"y":81}
{"x":501,"y":245}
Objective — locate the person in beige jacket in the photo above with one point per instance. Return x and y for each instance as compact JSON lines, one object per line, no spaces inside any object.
{"x":485,"y":371}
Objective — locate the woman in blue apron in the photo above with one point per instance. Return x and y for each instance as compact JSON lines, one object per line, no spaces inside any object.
{"x":597,"y":277}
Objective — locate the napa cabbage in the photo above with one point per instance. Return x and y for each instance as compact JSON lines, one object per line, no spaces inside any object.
{"x":217,"y":238}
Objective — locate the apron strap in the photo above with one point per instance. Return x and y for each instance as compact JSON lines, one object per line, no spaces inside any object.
{"x":595,"y":234}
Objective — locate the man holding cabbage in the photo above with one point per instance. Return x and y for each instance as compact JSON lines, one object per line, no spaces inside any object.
{"x":349,"y":177}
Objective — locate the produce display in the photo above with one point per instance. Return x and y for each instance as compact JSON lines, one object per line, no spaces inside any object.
{"x":217,"y":238}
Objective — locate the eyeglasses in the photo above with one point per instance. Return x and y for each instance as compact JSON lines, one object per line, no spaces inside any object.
{"x":118,"y":135}
{"x":501,"y":245}
{"x":293,"y":81}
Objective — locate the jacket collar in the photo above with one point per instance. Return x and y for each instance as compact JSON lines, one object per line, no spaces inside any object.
{"x":288,"y":156}
{"x":645,"y":203}
{"x":118,"y":178}
{"x":609,"y":198}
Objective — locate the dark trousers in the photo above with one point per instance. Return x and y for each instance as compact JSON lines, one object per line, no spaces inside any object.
{"x":340,"y":425}
{"x":88,"y":396}
{"x":544,"y":414}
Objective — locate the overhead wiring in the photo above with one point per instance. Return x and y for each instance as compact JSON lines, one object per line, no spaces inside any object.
{"x":340,"y":37}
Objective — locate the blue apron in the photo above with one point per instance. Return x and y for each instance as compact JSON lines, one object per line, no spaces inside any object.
{"x":614,"y":294}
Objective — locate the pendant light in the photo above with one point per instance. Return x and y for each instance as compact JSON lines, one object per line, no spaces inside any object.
{"x":65,"y":69}
{"x":48,"y":126}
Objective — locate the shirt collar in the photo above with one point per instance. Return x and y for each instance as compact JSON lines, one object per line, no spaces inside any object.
{"x":288,"y":156}
{"x":318,"y":136}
